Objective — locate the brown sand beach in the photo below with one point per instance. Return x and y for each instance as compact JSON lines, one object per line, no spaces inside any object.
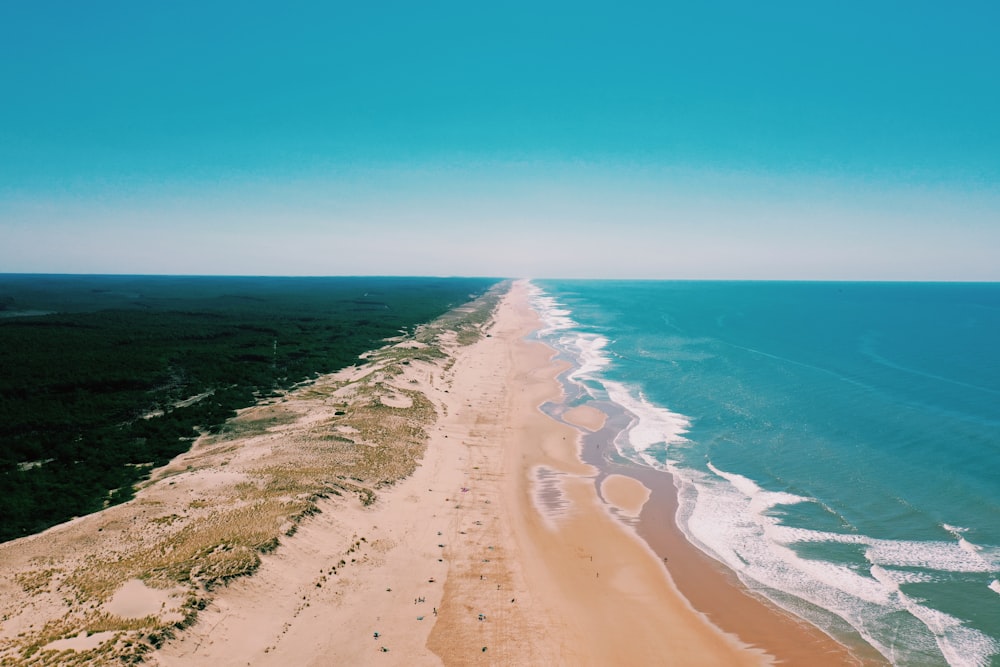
{"x":419,"y":509}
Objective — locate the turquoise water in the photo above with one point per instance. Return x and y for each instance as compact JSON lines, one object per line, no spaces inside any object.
{"x":836,"y":444}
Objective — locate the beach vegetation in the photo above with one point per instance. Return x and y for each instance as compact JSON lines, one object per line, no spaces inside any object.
{"x":121,"y":373}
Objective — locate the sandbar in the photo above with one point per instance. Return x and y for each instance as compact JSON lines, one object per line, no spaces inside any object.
{"x":586,"y":416}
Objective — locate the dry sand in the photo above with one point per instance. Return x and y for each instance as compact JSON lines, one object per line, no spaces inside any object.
{"x":498,"y":549}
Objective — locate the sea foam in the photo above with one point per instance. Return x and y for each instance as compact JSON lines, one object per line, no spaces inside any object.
{"x":732,"y":518}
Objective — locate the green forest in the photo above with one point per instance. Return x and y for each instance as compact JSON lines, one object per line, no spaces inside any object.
{"x":103,"y":378}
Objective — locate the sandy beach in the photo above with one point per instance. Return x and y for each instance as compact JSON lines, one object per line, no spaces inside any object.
{"x":419,"y":509}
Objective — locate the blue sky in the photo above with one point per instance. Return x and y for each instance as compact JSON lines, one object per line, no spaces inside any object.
{"x":784,"y":140}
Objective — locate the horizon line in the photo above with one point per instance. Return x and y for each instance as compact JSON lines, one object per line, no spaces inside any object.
{"x":502,"y":278}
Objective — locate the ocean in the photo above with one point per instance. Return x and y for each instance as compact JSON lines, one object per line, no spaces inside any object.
{"x":836,"y":445}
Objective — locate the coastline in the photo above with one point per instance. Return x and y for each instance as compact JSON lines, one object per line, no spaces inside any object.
{"x":717,"y":592}
{"x":643,"y":502}
{"x":708,"y":585}
{"x":612,"y":595}
{"x":498,"y":546}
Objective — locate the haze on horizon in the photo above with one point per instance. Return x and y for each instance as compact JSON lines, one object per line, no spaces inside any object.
{"x":661,"y":140}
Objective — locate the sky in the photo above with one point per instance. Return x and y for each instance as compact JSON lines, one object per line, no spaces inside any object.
{"x":710,"y":140}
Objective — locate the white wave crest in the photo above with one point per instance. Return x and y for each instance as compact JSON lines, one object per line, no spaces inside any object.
{"x":730,"y":516}
{"x":589,"y":350}
{"x":554,"y":317}
{"x":651,"y":425}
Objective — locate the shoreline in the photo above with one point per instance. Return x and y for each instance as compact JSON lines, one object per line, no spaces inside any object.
{"x":612,"y":592}
{"x":705,"y":583}
{"x":717,"y":592}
